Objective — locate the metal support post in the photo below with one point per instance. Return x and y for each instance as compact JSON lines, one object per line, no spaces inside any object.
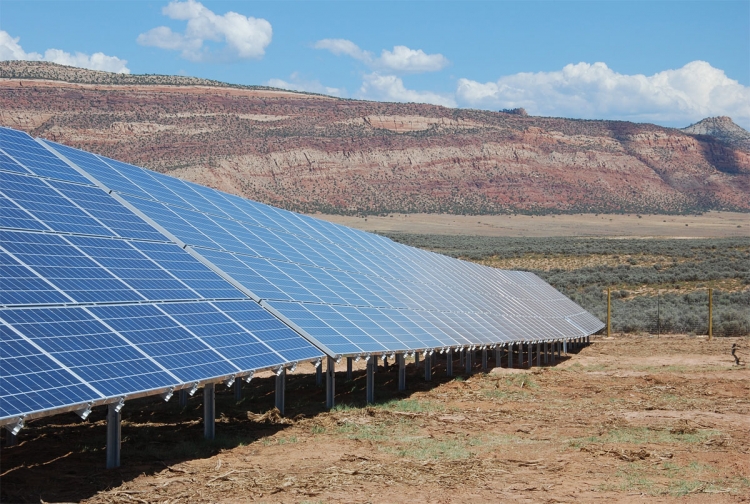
{"x":467,"y":361}
{"x":330,"y":382}
{"x":319,"y":375}
{"x":238,"y":389}
{"x":280,"y":390}
{"x":349,"y":361}
{"x":427,"y":366}
{"x":183,"y":397}
{"x":374,"y":359}
{"x":449,"y":362}
{"x":546,"y":352}
{"x":416,"y":360}
{"x":114,"y":419}
{"x":565,"y":347}
{"x":370,"y":385}
{"x":401,"y":372}
{"x":209,"y":411}
{"x":538,"y":354}
{"x":559,"y":349}
{"x":609,"y":312}
{"x":710,"y":314}
{"x":498,"y":357}
{"x":529,"y":354}
{"x":484,"y":360}
{"x":510,"y":355}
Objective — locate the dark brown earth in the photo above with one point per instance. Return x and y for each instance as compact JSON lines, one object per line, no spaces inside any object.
{"x":629,"y":418}
{"x":316,"y":153}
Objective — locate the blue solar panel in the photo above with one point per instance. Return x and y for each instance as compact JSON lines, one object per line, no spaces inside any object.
{"x":38,"y":160}
{"x":92,"y":351}
{"x":167,"y":341}
{"x":31,"y":381}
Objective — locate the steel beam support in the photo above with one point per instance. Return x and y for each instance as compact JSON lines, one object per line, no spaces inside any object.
{"x":370,"y":385}
{"x":538,"y":354}
{"x":209,"y":411}
{"x":330,"y":382}
{"x":416,"y":360}
{"x":114,"y":436}
{"x":484,"y":360}
{"x":449,"y":362}
{"x":280,"y":390}
{"x":238,"y":389}
{"x":546,"y":352}
{"x":374,"y":359}
{"x":565,"y":347}
{"x":467,"y":360}
{"x":401,"y":372}
{"x":349,"y":362}
{"x":427,"y":366}
{"x":510,"y":355}
{"x":498,"y":357}
{"x":183,"y":395}
{"x":319,"y":375}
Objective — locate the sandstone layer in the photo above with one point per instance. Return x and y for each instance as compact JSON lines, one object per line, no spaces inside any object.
{"x":314,"y":153}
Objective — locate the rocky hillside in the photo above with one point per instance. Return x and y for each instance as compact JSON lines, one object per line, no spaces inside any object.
{"x":315,"y":153}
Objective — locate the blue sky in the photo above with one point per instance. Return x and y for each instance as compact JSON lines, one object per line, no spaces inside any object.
{"x":671,"y":62}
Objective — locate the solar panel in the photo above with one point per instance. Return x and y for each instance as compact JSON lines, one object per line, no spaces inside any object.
{"x":96,"y":303}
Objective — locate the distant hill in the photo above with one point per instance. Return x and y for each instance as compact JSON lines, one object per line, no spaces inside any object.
{"x":312,"y":152}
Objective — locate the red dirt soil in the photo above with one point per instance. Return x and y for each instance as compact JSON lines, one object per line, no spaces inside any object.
{"x":630,"y":418}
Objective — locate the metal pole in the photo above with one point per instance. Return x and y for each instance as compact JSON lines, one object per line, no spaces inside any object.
{"x":370,"y":385}
{"x":416,"y":360}
{"x":565,"y":347}
{"x":319,"y":375}
{"x":114,"y":419}
{"x":238,"y":389}
{"x":609,"y":312}
{"x":427,"y":366}
{"x":510,"y":355}
{"x":349,"y":368}
{"x":401,"y":372}
{"x":546,"y":352}
{"x":209,"y":411}
{"x":330,"y":382}
{"x":498,"y":356}
{"x":658,"y":314}
{"x":280,"y":390}
{"x":375,"y":363}
{"x":538,"y":354}
{"x":467,"y":361}
{"x":710,"y":313}
{"x":449,"y":362}
{"x":484,"y":360}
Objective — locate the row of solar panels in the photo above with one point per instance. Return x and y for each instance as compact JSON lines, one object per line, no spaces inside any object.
{"x":119,"y":281}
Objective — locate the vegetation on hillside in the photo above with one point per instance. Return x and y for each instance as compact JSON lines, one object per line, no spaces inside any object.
{"x":656,"y":285}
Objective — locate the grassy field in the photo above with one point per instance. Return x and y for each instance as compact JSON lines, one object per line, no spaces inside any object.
{"x":677,"y":272}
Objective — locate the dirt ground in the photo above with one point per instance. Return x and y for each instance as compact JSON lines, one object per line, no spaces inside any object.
{"x":629,"y":418}
{"x":708,"y":225}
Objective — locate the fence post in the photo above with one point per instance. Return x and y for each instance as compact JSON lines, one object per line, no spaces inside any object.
{"x":609,"y":312}
{"x":658,"y":314}
{"x":710,"y":313}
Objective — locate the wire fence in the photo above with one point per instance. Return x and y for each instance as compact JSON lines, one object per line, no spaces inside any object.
{"x":670,"y":313}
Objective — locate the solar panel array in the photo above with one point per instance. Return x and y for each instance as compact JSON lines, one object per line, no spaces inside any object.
{"x":117,"y":280}
{"x":96,"y":304}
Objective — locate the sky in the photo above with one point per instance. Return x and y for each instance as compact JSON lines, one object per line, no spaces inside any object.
{"x":667,"y":62}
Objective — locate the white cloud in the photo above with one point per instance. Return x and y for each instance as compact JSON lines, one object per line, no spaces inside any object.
{"x":297,"y":84}
{"x":391,"y":88}
{"x":678,"y":96}
{"x":10,"y":49}
{"x":400,"y":60}
{"x":243,"y":37}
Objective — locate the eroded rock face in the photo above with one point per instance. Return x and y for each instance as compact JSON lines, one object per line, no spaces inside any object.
{"x":314,"y":153}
